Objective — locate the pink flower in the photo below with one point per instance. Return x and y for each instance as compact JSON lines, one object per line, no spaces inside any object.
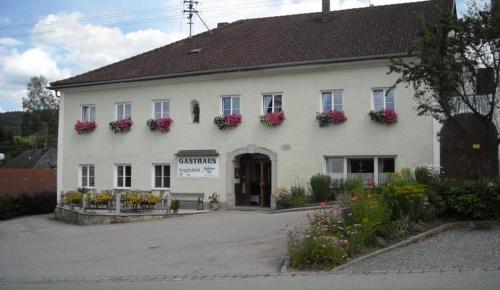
{"x":322,"y":205}
{"x":273,"y":119}
{"x":338,"y":117}
{"x":163,"y":124}
{"x":83,"y":127}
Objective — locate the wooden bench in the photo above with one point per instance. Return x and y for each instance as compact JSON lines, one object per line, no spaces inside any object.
{"x":184,"y":197}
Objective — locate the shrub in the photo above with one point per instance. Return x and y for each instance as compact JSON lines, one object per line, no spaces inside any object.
{"x":371,"y":215}
{"x":175,"y":204}
{"x":323,"y":244}
{"x":319,"y":185}
{"x":298,"y":195}
{"x":283,"y":198}
{"x":425,"y":175}
{"x":12,"y":205}
{"x":406,"y":198}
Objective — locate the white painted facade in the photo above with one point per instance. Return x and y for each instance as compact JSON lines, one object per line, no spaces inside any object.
{"x":410,"y":141}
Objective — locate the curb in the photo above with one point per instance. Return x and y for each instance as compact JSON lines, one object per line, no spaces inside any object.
{"x":305,"y":208}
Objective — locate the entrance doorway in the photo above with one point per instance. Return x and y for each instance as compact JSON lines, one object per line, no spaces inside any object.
{"x":254,"y":187}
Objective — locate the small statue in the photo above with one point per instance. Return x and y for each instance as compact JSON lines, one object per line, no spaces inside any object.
{"x":196,"y":113}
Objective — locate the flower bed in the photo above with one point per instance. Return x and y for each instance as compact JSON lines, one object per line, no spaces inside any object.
{"x":140,"y":201}
{"x":84,"y":127}
{"x":226,"y":122}
{"x":272,"y":119}
{"x":73,"y":198}
{"x":102,"y":199}
{"x":333,"y":117}
{"x":162,"y":124}
{"x":121,"y":126}
{"x":385,"y":116}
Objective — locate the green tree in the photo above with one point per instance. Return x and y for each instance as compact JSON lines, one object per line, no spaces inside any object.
{"x":39,"y":97}
{"x":457,"y":69}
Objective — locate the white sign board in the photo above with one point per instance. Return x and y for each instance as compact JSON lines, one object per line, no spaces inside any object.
{"x":198,"y":166}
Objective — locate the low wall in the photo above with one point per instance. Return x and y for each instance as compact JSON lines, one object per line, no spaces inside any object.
{"x":87,"y":218}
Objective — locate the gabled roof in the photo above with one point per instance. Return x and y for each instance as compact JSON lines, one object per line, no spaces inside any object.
{"x":346,"y":35}
{"x":30,"y":181}
{"x":34,"y":158}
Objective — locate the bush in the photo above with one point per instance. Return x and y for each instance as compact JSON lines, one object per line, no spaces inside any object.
{"x":371,"y":216}
{"x":27,"y":204}
{"x":424,"y":175}
{"x":298,"y":195}
{"x":323,"y":244}
{"x":406,"y":199}
{"x":319,"y":185}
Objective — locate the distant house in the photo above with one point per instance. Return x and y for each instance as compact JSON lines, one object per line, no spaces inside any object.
{"x":34,"y":158}
{"x":32,"y":181}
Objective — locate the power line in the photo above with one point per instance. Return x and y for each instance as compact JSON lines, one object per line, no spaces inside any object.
{"x":64,"y":29}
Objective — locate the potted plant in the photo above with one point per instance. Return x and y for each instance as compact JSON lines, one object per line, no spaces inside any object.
{"x":226,"y":122}
{"x":175,"y":205}
{"x":162,"y":124}
{"x":384,"y":116}
{"x":84,"y":127}
{"x":214,"y":201}
{"x":73,"y":198}
{"x":121,"y":126}
{"x":272,"y":119}
{"x":332,"y":117}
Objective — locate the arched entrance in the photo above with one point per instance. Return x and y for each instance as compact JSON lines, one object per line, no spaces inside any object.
{"x":477,"y":153}
{"x":251,"y":177}
{"x":253,"y":184}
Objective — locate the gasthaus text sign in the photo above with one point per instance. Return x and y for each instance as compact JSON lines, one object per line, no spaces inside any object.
{"x":202,"y":166}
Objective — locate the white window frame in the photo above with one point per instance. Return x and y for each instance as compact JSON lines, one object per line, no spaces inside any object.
{"x":232,"y":97}
{"x":82,"y":115}
{"x":80,"y":176}
{"x":117,"y":105}
{"x":263,"y":105}
{"x":162,"y":112}
{"x":322,"y":108}
{"x":153,"y":175}
{"x":384,"y":94}
{"x":115,"y":176}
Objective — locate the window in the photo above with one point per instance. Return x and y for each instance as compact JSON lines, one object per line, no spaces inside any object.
{"x":123,"y":111}
{"x":88,"y":113}
{"x":335,"y":168}
{"x":230,"y":105}
{"x":383,"y":99}
{"x":162,"y":176}
{"x":161,"y":109}
{"x":123,"y":176}
{"x":332,"y":100}
{"x":87,"y":174}
{"x":272,"y":103}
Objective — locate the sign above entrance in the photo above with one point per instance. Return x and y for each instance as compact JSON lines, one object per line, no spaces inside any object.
{"x":197,"y":166}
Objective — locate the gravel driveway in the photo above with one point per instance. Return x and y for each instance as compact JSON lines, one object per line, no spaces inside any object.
{"x":464,"y":248}
{"x":222,"y":242}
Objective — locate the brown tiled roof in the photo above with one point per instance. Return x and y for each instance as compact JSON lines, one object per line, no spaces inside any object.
{"x":346,"y":35}
{"x":30,"y":181}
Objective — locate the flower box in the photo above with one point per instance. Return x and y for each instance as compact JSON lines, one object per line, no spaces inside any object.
{"x":333,"y":117}
{"x":385,"y":116}
{"x":121,"y":126}
{"x":84,"y":127}
{"x":272,"y":119}
{"x":226,"y":122}
{"x":163,"y":124}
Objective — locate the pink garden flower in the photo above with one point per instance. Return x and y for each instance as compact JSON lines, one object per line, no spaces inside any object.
{"x":83,"y":127}
{"x":272,"y":119}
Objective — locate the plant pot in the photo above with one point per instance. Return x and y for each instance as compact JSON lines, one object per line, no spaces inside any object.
{"x":213,"y":206}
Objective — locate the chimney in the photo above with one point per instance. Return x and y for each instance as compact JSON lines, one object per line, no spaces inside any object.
{"x":326,"y":5}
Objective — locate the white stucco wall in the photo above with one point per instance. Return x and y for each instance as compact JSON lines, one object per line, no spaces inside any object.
{"x":410,"y":140}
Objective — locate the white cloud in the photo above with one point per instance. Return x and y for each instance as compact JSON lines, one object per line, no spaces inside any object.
{"x":9,"y":41}
{"x":1,"y":109}
{"x":89,"y":46}
{"x":32,"y":62}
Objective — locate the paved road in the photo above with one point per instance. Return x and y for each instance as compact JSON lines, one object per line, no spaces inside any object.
{"x":222,"y":242}
{"x":226,"y":250}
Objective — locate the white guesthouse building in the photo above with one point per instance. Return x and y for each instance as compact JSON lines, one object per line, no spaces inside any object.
{"x":299,"y":64}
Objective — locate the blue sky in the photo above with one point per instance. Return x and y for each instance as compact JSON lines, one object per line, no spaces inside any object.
{"x":61,"y":38}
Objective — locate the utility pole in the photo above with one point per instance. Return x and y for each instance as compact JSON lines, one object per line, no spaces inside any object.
{"x":191,"y":10}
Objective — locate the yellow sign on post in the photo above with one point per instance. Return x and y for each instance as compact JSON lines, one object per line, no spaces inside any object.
{"x":476,"y":146}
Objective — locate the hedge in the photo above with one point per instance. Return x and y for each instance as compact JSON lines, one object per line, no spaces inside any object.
{"x":12,"y":205}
